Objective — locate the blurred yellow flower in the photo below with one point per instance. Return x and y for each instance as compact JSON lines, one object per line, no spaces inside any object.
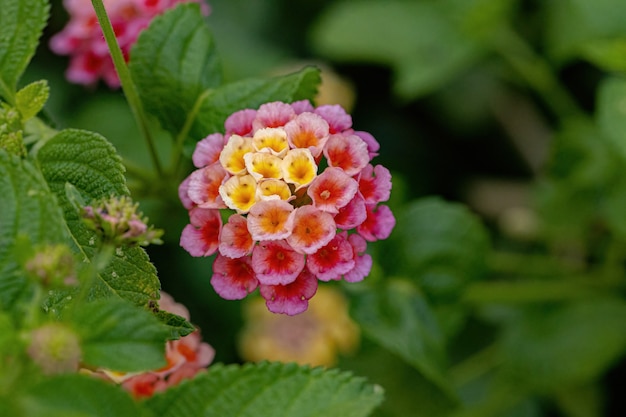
{"x":315,"y":337}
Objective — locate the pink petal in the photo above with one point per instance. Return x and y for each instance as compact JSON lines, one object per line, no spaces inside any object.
{"x":235,"y":240}
{"x":208,"y":150}
{"x":183,"y":189}
{"x":302,"y":106}
{"x":312,"y":229}
{"x":240,"y":122}
{"x":308,"y":131}
{"x":275,"y":262}
{"x":378,"y":225}
{"x":233,"y":278}
{"x":372,"y":144}
{"x":270,"y":220}
{"x":201,"y":237}
{"x":363,"y":261}
{"x":375,"y":184}
{"x":336,"y":117}
{"x":290,"y":299}
{"x":275,"y":114}
{"x":347,"y":152}
{"x":333,"y":260}
{"x":351,"y":215}
{"x":332,"y":190}
{"x":204,"y":186}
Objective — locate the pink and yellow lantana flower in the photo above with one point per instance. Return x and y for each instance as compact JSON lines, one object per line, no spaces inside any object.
{"x":303,"y":199}
{"x":83,"y":41}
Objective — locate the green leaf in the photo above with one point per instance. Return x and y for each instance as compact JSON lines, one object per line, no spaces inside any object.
{"x":611,"y":112}
{"x":178,"y":325}
{"x":173,"y":63}
{"x":550,"y":349}
{"x":22,"y":23}
{"x":579,"y":28}
{"x":441,"y":245}
{"x":89,"y":162}
{"x":28,"y":209}
{"x":268,"y":390}
{"x":398,"y":318}
{"x":250,"y":94}
{"x":76,"y":395}
{"x":30,"y":100}
{"x":417,"y":39}
{"x":119,"y":336}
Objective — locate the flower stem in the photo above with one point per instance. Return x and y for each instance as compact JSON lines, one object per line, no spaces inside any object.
{"x":536,"y":72}
{"x":127,"y":83}
{"x":182,"y":135}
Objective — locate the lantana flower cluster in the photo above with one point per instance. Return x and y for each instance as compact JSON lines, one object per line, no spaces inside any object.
{"x":83,"y":41}
{"x":286,"y":196}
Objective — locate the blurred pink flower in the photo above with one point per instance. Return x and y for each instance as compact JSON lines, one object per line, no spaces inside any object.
{"x":301,"y":197}
{"x":185,"y":358}
{"x":83,"y":41}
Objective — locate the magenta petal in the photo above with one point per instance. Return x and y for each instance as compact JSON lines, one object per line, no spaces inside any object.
{"x":372,"y":144}
{"x":302,"y":106}
{"x":204,"y":185}
{"x":235,"y":239}
{"x":240,"y":122}
{"x":201,"y":237}
{"x":375,"y":184}
{"x":333,"y":260}
{"x":348,"y":152}
{"x":275,"y":262}
{"x":208,"y":150}
{"x":351,"y":215}
{"x":275,"y":114}
{"x":183,"y":189}
{"x":336,"y":116}
{"x":290,"y":299}
{"x":233,"y":278}
{"x":379,"y":223}
{"x":363,"y":261}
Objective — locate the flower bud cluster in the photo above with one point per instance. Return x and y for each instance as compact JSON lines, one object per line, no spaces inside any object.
{"x":117,"y":222}
{"x":302,"y":199}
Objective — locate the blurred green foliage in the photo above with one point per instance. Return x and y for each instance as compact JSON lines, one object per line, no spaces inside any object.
{"x":471,"y":310}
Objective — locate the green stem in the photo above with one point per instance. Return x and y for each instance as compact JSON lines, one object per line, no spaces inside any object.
{"x":182,"y":135}
{"x":127,"y":83}
{"x":532,"y":291}
{"x":536,"y":72}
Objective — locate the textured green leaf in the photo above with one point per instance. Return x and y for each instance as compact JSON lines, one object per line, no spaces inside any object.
{"x":417,"y":39}
{"x":441,"y":245}
{"x":89,"y":162}
{"x":30,"y":100}
{"x":178,"y":325}
{"x":119,"y":336}
{"x":76,"y":395}
{"x":22,"y":23}
{"x":398,"y":318}
{"x":29,"y":209}
{"x":173,"y":63}
{"x":563,"y":347}
{"x":251,"y":93}
{"x":268,"y":390}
